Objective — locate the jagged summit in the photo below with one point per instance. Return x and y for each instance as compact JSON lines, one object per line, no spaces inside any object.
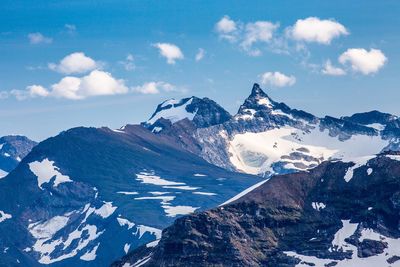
{"x":203,"y":112}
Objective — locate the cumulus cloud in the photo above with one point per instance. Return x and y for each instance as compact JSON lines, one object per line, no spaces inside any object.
{"x":277,"y":79}
{"x":259,"y":31}
{"x":95,"y":83}
{"x":313,"y":29}
{"x":76,"y":62}
{"x":154,"y":88}
{"x":38,"y":38}
{"x":329,"y":69}
{"x":247,"y":36}
{"x":200,"y":54}
{"x":226,"y":28}
{"x":170,"y":51}
{"x":128,"y":63}
{"x":363,"y":61}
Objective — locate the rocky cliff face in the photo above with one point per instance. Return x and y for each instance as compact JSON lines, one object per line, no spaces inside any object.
{"x":338,"y":214}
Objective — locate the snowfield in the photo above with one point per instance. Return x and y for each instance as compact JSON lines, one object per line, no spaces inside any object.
{"x":295,"y":149}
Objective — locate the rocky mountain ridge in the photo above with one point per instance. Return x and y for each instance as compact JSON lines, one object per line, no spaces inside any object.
{"x":337,"y":214}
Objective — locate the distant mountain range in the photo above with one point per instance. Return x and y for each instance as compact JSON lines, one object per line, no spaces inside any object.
{"x":12,"y":149}
{"x":88,"y":196}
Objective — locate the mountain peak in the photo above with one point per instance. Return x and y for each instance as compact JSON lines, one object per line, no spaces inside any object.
{"x":203,"y":112}
{"x":256,"y":90}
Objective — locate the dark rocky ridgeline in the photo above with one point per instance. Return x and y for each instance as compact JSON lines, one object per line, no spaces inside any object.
{"x":13,"y":148}
{"x":315,"y":218}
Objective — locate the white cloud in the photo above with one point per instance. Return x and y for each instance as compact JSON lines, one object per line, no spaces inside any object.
{"x":361,"y":60}
{"x":38,"y":38}
{"x":31,"y":91}
{"x":154,"y":88}
{"x":76,"y":62}
{"x":313,"y":29}
{"x":259,"y":31}
{"x":70,"y":28}
{"x":170,"y":51}
{"x":277,"y":79}
{"x":226,"y":28}
{"x":247,"y":35}
{"x":128,"y":63}
{"x":329,"y":69}
{"x":95,"y":83}
{"x":37,"y":90}
{"x":200,"y":54}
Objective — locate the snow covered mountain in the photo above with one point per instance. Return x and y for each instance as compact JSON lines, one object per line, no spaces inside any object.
{"x":203,"y":112}
{"x":337,"y":214}
{"x":266,"y":137}
{"x":88,"y":196}
{"x":12,"y":149}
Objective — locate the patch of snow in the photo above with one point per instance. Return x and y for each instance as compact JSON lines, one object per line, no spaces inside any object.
{"x":127,"y":193}
{"x":347,"y":230}
{"x":173,"y":114}
{"x":246,"y":191}
{"x":141,"y":261}
{"x":126,"y":222}
{"x":358,"y":162}
{"x":376,"y":126}
{"x":4,"y":216}
{"x":118,"y":131}
{"x":45,"y":170}
{"x":158,"y":193}
{"x":46,"y":229}
{"x":199,"y":175}
{"x":393,"y":157}
{"x":3,"y":173}
{"x":126,"y":248}
{"x":157,"y":129}
{"x":370,"y":208}
{"x":264,"y":101}
{"x":90,"y":255}
{"x":142,"y":229}
{"x":7,"y":155}
{"x":106,"y":210}
{"x":204,"y":193}
{"x":153,"y":244}
{"x":318,"y":206}
{"x":173,"y":211}
{"x":369,"y":171}
{"x":150,"y":178}
{"x":183,"y":187}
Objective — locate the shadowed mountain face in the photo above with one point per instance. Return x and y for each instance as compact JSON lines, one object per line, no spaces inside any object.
{"x":12,"y":149}
{"x":338,"y":214}
{"x":88,"y":196}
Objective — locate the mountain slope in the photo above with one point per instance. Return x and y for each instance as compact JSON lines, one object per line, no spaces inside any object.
{"x":338,"y":214}
{"x":88,"y":196}
{"x":12,"y":149}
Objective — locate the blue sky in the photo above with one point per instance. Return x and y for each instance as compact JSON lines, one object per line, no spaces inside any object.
{"x":118,"y":44}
